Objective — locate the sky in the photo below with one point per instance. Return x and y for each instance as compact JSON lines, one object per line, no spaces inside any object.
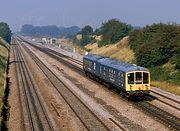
{"x":87,"y":12}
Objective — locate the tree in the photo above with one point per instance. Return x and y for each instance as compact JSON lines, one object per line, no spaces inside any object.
{"x":112,"y":31}
{"x":85,"y":40}
{"x":5,"y":32}
{"x":86,"y":33}
{"x":86,"y":30}
{"x":51,"y":30}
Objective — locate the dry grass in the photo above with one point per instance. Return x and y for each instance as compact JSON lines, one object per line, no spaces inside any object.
{"x":119,"y":51}
{"x":92,"y":46}
{"x":167,"y":87}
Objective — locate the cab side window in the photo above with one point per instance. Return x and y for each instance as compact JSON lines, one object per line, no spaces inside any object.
{"x":131,"y":78}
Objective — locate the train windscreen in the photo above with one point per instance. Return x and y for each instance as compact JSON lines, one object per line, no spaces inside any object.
{"x":145,"y":78}
{"x":138,"y":77}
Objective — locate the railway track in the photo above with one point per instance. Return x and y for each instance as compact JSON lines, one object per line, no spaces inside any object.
{"x":64,"y":56}
{"x":34,"y":109}
{"x":90,"y":120}
{"x":164,"y":96}
{"x":171,"y":102}
{"x":57,"y":56}
{"x":164,"y":117}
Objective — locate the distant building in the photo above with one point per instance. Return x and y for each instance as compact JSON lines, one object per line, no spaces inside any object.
{"x":48,"y":40}
{"x":53,"y":41}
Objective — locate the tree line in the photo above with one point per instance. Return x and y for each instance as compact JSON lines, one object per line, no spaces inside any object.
{"x":111,"y":31}
{"x":51,"y":30}
{"x":5,"y":32}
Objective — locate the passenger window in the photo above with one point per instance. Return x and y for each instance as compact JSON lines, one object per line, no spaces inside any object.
{"x":119,"y":75}
{"x":138,"y":77}
{"x":145,"y":78}
{"x":94,"y":66}
{"x":104,"y":73}
{"x":131,"y":78}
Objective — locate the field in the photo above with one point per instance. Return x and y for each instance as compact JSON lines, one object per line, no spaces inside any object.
{"x":3,"y":65}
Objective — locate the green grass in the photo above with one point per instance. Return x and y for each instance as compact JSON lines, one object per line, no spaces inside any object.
{"x":166,"y":77}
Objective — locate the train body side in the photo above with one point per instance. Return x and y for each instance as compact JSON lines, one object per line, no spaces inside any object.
{"x":112,"y":75}
{"x":121,"y":75}
{"x":91,"y":65}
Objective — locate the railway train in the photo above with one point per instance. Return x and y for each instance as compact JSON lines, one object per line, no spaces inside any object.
{"x":130,"y":79}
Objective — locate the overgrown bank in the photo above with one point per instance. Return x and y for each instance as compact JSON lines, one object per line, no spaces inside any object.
{"x":4,"y":48}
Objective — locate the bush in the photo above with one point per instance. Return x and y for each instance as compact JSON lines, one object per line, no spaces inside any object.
{"x":5,"y":32}
{"x":154,"y":45}
{"x":86,"y":30}
{"x":159,"y":73}
{"x":86,"y":39}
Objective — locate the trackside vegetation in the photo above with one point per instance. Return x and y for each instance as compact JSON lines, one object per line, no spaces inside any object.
{"x":5,"y":32}
{"x":3,"y":67}
{"x":5,"y":37}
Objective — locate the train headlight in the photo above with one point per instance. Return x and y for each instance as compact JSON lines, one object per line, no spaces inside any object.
{"x":130,"y":87}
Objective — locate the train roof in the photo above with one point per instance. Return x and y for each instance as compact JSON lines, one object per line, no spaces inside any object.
{"x":93,"y":57}
{"x":122,"y":66}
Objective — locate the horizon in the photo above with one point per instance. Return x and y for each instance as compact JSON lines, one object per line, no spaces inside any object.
{"x":82,"y":12}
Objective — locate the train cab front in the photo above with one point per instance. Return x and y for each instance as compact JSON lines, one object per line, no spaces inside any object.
{"x":138,"y":83}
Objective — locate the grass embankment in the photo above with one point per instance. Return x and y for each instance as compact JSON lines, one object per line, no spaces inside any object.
{"x":122,"y":51}
{"x":3,"y":65}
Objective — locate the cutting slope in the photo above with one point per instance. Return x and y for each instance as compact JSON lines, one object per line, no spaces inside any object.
{"x":120,"y":50}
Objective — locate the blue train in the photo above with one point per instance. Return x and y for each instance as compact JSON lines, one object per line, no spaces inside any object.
{"x":128,"y":78}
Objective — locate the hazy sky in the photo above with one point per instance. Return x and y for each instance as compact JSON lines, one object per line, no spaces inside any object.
{"x":83,"y":12}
